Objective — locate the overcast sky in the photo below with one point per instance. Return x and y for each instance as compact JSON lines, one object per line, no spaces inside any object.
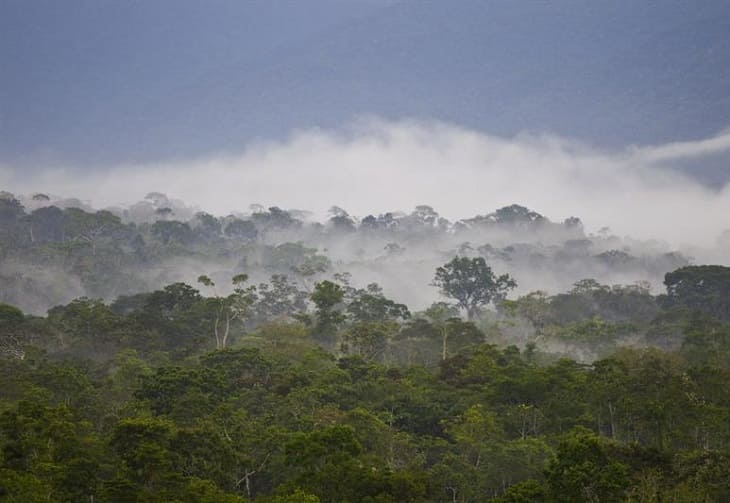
{"x":94,"y":82}
{"x":264,"y":101}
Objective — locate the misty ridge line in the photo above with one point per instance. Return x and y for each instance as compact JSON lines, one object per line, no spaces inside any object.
{"x":51,"y":254}
{"x":376,"y":166}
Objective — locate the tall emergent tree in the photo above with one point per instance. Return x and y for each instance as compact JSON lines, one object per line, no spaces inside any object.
{"x":328,"y":298}
{"x":236,"y":306}
{"x":703,"y":288}
{"x":471,"y":282}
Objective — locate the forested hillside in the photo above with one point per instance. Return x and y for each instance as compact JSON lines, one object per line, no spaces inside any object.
{"x":53,"y":250}
{"x":275,"y":374}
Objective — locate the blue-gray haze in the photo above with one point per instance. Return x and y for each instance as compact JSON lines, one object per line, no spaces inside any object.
{"x":93,"y":83}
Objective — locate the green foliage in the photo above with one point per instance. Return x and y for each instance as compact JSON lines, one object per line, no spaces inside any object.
{"x":173,"y":390}
{"x":280,"y":299}
{"x":704,"y":288}
{"x":529,"y":491}
{"x":297,"y":496}
{"x":142,"y":445}
{"x":706,"y":341}
{"x":131,"y":401}
{"x":617,"y":303}
{"x":295,"y":258}
{"x":370,"y":305}
{"x":23,"y":487}
{"x":172,"y":232}
{"x":368,"y":339}
{"x":244,"y":230}
{"x":10,"y":317}
{"x":471,"y":282}
{"x":583,"y":470}
{"x":328,"y":298}
{"x":47,"y":449}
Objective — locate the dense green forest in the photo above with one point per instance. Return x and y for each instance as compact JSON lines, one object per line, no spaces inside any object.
{"x":275,"y":374}
{"x":53,"y":250}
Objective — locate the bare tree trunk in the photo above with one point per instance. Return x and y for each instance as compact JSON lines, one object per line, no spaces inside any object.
{"x":215,"y":330}
{"x":246,"y":479}
{"x":228,"y":329}
{"x":247,"y":474}
{"x":470,"y":313}
{"x":248,"y":485}
{"x":444,"y":337}
{"x":611,"y":412}
{"x":453,"y":493}
{"x":523,"y":429}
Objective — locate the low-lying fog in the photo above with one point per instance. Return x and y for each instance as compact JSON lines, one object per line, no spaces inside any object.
{"x":641,"y":214}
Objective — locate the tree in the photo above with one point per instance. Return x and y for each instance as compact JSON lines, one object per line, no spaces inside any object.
{"x":706,"y":341}
{"x":584,"y":470}
{"x":11,"y":339}
{"x":703,"y":288}
{"x":11,"y":213}
{"x":236,"y":306}
{"x":471,"y":282}
{"x":527,"y":491}
{"x":533,"y":307}
{"x":40,"y":445}
{"x":328,"y":297}
{"x":90,"y":228}
{"x":297,"y":496}
{"x":143,"y":446}
{"x":88,"y":326}
{"x":206,"y":225}
{"x":368,"y":339}
{"x":510,"y":217}
{"x":46,"y":224}
{"x":425,"y":217}
{"x":274,"y":219}
{"x":164,"y":213}
{"x":279,"y":299}
{"x":296,"y":258}
{"x":172,"y":231}
{"x":245,"y":230}
{"x":341,"y":221}
{"x":370,"y":305}
{"x":443,"y":317}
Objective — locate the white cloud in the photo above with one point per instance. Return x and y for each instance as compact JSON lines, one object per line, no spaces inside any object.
{"x":381,"y":166}
{"x":684,"y":149}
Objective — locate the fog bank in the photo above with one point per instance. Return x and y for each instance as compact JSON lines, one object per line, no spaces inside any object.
{"x":376,"y":165}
